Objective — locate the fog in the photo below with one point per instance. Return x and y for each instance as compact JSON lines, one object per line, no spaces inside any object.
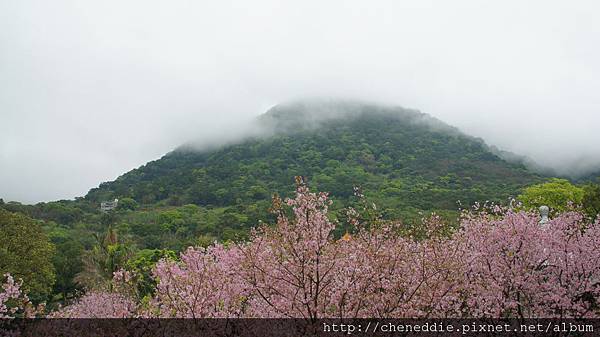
{"x":92,"y":89}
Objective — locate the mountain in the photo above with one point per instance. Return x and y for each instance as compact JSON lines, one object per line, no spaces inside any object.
{"x":404,"y":160}
{"x":593,"y":177}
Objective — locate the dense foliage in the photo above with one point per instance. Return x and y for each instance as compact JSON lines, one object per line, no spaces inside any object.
{"x":591,"y":200}
{"x":558,"y":194}
{"x":26,"y":253}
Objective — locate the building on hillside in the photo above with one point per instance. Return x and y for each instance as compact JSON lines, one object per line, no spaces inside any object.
{"x":106,"y":206}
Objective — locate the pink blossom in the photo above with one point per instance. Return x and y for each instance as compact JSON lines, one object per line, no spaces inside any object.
{"x":13,"y":301}
{"x":99,"y":305}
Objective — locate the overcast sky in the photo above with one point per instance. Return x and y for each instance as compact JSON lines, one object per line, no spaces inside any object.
{"x":92,"y":89}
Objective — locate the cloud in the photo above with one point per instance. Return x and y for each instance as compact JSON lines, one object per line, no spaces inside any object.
{"x":89,"y":90}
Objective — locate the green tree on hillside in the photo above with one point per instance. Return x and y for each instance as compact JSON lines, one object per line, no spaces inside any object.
{"x":67,"y":261}
{"x":556,"y":194}
{"x":26,"y":253}
{"x":127,"y":204}
{"x":141,"y":265}
{"x":108,"y":255}
{"x":591,"y":200}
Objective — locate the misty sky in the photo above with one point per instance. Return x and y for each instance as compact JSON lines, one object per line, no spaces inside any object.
{"x":92,"y":89}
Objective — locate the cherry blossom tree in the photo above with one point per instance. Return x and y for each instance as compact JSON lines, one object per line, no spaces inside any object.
{"x":115,"y":302}
{"x":517,"y":268}
{"x":14,"y":302}
{"x":99,"y":304}
{"x":386,"y":275}
{"x":291,"y":268}
{"x":201,"y":285}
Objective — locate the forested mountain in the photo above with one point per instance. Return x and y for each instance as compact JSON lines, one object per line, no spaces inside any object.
{"x":402,"y":159}
{"x":593,"y":177}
